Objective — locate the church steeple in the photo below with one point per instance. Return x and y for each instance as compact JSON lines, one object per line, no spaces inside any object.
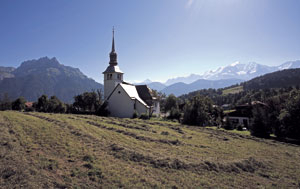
{"x":113,"y":54}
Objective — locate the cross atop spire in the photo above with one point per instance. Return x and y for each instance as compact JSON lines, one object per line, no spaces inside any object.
{"x":113,"y":54}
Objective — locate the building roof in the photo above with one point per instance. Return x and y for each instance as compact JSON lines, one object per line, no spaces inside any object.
{"x":113,"y":69}
{"x":28,"y":104}
{"x":145,"y":93}
{"x":131,"y":92}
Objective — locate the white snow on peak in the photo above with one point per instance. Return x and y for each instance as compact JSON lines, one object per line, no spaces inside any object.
{"x":235,"y":63}
{"x":285,"y":66}
{"x":241,"y":72}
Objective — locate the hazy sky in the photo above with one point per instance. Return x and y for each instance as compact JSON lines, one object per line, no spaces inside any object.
{"x":155,"y":39}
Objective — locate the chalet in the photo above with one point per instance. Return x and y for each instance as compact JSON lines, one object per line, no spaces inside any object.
{"x":125,"y":99}
{"x":242,"y":114}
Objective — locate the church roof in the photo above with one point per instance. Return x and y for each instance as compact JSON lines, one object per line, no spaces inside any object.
{"x":132,"y":92}
{"x":113,"y":69}
{"x":145,"y":93}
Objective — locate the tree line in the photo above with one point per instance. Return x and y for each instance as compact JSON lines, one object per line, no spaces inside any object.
{"x":85,"y":103}
{"x":280,"y":115}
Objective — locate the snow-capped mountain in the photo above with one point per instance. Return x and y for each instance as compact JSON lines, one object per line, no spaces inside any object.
{"x":235,"y":70}
{"x":238,"y":70}
{"x":289,"y":65}
{"x":221,"y":77}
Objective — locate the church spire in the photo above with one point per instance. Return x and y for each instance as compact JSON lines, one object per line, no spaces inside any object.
{"x":113,"y":41}
{"x":113,"y":54}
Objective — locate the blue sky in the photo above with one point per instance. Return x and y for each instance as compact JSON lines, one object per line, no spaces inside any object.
{"x":156,"y":39}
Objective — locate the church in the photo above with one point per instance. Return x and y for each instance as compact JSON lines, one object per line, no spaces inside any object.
{"x":125,"y":99}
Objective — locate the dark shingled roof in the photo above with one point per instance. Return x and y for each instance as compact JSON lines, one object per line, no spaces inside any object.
{"x":145,"y":94}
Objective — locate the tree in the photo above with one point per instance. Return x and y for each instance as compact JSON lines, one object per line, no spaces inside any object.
{"x":19,"y":104}
{"x":290,"y":116}
{"x":197,"y":111}
{"x":55,"y":105}
{"x":174,"y":114}
{"x":260,"y":126}
{"x":89,"y":102}
{"x":171,"y":102}
{"x":5,"y":103}
{"x":42,"y":104}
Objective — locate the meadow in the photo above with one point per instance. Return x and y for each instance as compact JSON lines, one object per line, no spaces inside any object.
{"x":42,"y":150}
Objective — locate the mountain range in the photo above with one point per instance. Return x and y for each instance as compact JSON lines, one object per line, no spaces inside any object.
{"x":47,"y":76}
{"x":219,"y":78}
{"x":34,"y":78}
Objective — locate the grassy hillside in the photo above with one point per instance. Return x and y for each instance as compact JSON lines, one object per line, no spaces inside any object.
{"x":232,"y":90}
{"x":40,"y":150}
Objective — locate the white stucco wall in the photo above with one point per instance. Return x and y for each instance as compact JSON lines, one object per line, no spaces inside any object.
{"x":140,"y":108}
{"x":110,"y":84}
{"x":156,"y":108}
{"x":121,"y":105}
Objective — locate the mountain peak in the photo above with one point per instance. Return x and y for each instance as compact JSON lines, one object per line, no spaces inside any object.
{"x":235,"y":63}
{"x":46,"y":76}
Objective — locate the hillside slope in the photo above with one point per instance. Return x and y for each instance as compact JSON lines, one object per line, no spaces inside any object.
{"x":40,"y":150}
{"x":183,"y":88}
{"x":279,"y":79}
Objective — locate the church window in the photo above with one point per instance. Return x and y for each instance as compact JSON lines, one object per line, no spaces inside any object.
{"x":119,"y":76}
{"x":110,"y":76}
{"x":119,"y":92}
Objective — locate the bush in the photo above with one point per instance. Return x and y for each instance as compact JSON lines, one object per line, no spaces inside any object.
{"x":135,"y":115}
{"x":144,"y":116}
{"x":171,"y":102}
{"x":174,"y":114}
{"x":103,"y":111}
{"x":19,"y":104}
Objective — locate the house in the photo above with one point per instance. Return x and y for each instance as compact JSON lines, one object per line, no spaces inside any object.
{"x":124,"y":99}
{"x":242,"y":115}
{"x":28,"y":104}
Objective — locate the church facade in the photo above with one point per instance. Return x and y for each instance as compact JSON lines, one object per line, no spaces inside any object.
{"x":125,"y":99}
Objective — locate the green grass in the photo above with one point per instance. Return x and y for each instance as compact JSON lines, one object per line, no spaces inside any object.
{"x":39,"y":150}
{"x":232,"y":90}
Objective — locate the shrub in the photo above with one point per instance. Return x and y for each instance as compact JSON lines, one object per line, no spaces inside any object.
{"x":19,"y":104}
{"x":135,"y":115}
{"x":175,"y":114}
{"x":144,"y":116}
{"x":103,"y":111}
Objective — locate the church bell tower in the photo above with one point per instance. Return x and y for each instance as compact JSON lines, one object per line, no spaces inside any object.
{"x":112,"y":75}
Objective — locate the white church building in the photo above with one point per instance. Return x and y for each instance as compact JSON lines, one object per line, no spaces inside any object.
{"x":125,"y":99}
